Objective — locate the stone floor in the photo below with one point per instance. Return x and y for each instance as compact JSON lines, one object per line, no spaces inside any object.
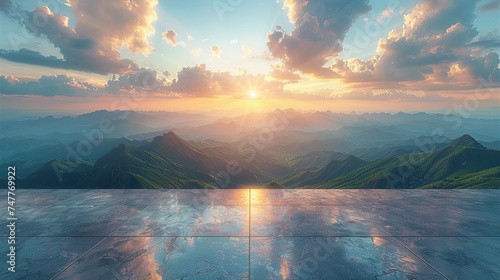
{"x":258,"y":234}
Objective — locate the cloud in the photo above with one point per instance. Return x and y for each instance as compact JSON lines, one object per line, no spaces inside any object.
{"x":215,"y":51}
{"x":169,"y":36}
{"x":122,"y":24}
{"x":396,"y":95}
{"x":101,"y":28}
{"x":35,"y":58}
{"x":493,"y":5}
{"x":59,"y":85}
{"x":279,"y":72}
{"x":320,"y":29}
{"x":486,"y":42}
{"x":195,"y":80}
{"x":141,"y":81}
{"x":386,"y":14}
{"x":198,"y":81}
{"x":434,"y":47}
{"x":190,"y":38}
{"x":5,"y":6}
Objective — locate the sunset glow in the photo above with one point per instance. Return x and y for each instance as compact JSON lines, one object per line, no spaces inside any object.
{"x":265,"y":139}
{"x":176,"y":57}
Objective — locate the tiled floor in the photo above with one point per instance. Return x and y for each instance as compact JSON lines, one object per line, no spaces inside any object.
{"x":257,"y":234}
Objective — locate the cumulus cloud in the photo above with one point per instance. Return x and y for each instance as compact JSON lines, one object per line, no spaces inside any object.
{"x":434,"y":47}
{"x":101,"y":28}
{"x":59,"y":85}
{"x":198,"y":81}
{"x":195,"y":80}
{"x":320,"y":29}
{"x":215,"y":51}
{"x":141,"y":81}
{"x":169,"y":37}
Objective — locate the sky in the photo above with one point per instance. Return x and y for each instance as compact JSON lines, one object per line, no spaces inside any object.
{"x":340,"y":55}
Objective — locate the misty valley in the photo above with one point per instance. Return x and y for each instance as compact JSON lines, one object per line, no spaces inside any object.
{"x":276,"y":149}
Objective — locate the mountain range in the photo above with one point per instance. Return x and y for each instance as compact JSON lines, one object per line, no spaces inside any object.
{"x":171,"y":162}
{"x":280,"y":148}
{"x":463,"y":158}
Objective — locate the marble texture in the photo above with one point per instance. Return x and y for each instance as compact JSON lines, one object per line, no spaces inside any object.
{"x":257,"y":234}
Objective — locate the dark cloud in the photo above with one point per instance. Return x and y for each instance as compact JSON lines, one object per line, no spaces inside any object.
{"x":486,"y":43}
{"x":320,"y":29}
{"x":483,"y":67}
{"x":493,"y":5}
{"x":35,"y":58}
{"x":59,"y":85}
{"x":92,"y":45}
{"x":5,"y":5}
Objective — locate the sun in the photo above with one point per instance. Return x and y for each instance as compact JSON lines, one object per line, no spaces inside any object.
{"x":253,"y":94}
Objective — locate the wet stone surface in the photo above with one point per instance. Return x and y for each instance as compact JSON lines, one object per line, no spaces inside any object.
{"x":257,"y":234}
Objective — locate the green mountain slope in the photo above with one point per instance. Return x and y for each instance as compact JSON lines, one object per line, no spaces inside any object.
{"x":332,"y":170}
{"x":172,"y":147}
{"x":485,"y":179}
{"x":168,"y":162}
{"x":462,"y":158}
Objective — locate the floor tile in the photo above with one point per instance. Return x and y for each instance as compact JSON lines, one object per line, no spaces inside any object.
{"x":74,"y":220}
{"x":459,"y":257}
{"x":187,"y":220}
{"x":293,"y":197}
{"x":46,"y":197}
{"x":333,"y":258}
{"x":295,"y":234}
{"x":302,"y":220}
{"x":44,"y":257}
{"x":429,"y":220}
{"x":164,"y":258}
{"x":195,"y":197}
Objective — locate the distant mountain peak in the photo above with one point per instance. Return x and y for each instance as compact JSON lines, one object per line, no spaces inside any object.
{"x":363,"y":120}
{"x":170,"y":134}
{"x":168,"y":137}
{"x":352,"y":158}
{"x":171,"y":143}
{"x":466,"y":141}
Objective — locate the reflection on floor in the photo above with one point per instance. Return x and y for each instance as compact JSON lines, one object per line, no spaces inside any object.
{"x":257,"y":234}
